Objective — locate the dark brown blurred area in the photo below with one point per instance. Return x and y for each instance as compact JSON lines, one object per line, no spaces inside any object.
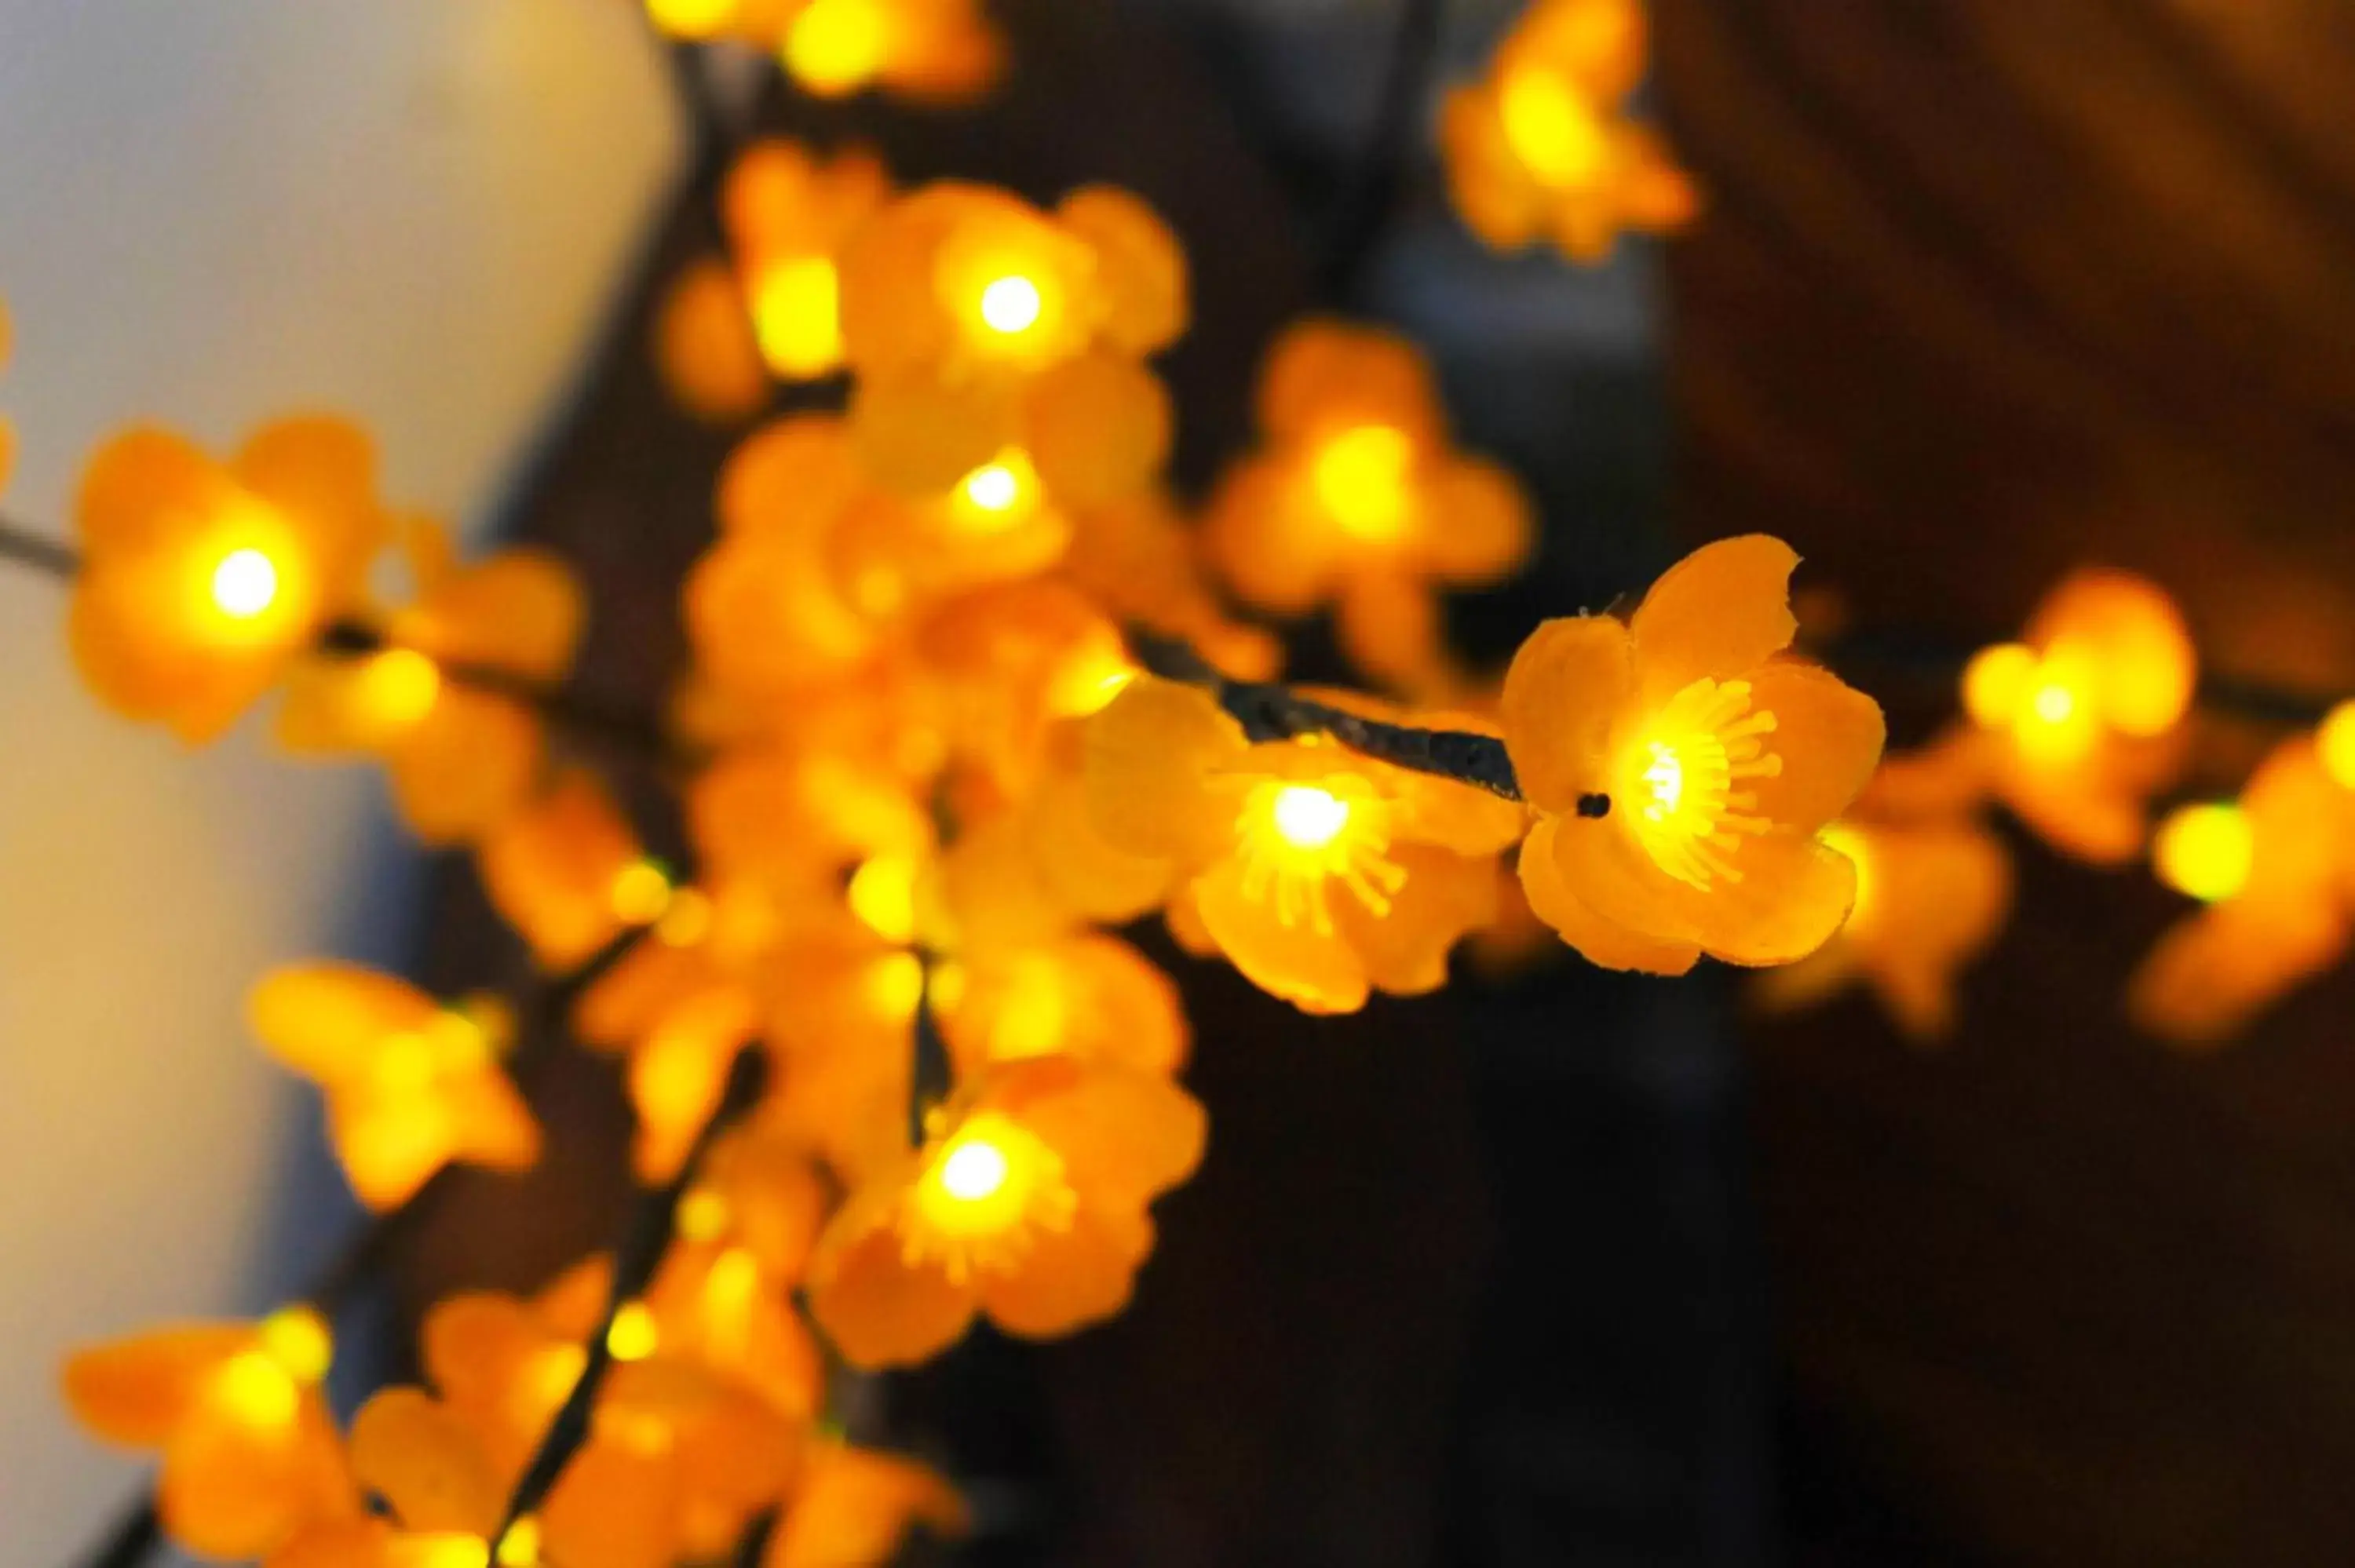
{"x":1988,"y":289}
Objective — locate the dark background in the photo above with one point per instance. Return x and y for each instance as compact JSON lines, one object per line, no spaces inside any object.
{"x":1558,"y":1271}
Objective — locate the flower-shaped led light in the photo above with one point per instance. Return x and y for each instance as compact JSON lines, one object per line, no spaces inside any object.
{"x":1027,"y":1201}
{"x":1542,"y":146}
{"x":1357,"y":498}
{"x":2277,"y":872}
{"x":202,"y":581}
{"x":460,"y":758}
{"x":2074,"y":726}
{"x":1930,"y":897}
{"x":788,"y":211}
{"x":412,"y":1085}
{"x":1680,"y":765}
{"x":977,"y":323}
{"x":249,"y":1452}
{"x":566,"y":872}
{"x":1319,"y":873}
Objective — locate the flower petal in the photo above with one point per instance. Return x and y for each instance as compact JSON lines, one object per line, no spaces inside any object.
{"x":325,"y":1021}
{"x":1598,"y":940}
{"x":1069,"y":1278}
{"x":1488,"y":527}
{"x":1794,"y":895}
{"x":423,"y":1459}
{"x":1149,"y":753}
{"x":145,"y":486}
{"x":1721,"y":612}
{"x":1444,"y":897}
{"x":236,"y":1487}
{"x":878,"y":1307}
{"x":1125,"y":1137}
{"x":856,"y":1507}
{"x":134,"y":1391}
{"x":1828,"y":735}
{"x":615,"y":1506}
{"x":1316,"y":971}
{"x":320,"y":471}
{"x":1564,"y":691}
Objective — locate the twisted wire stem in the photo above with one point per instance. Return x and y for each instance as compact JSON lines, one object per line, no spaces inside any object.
{"x":645,"y":1239}
{"x":1268,"y":710}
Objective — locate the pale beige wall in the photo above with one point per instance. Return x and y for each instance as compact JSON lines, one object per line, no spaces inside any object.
{"x":210,"y":210}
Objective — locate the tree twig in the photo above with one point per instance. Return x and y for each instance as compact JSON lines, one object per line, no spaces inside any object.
{"x":645,"y":1239}
{"x":1269,"y":711}
{"x":1365,"y":206}
{"x":25,"y":548}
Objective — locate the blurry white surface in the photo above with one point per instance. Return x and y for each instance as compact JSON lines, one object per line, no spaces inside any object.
{"x":408,"y":209}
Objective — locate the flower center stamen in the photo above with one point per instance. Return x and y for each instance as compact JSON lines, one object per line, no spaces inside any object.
{"x":985,"y":1192}
{"x":1296,"y":837}
{"x":1682,"y":775}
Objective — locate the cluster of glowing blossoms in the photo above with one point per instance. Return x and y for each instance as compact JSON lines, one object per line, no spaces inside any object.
{"x":1930,"y":895}
{"x":773,"y":308}
{"x":1544,"y":148}
{"x":250,"y":1453}
{"x":411,"y":1085}
{"x":996,"y":345}
{"x":205,"y":586}
{"x":1357,"y":500}
{"x":203,"y":583}
{"x":2276,"y":870}
{"x":937,"y":51}
{"x":2073,"y":728}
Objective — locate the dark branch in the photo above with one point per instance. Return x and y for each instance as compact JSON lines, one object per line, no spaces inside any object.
{"x":567,"y":713}
{"x":26,"y":548}
{"x":1366,"y":206}
{"x":645,"y":1240}
{"x":931,"y":1076}
{"x":1270,"y":712}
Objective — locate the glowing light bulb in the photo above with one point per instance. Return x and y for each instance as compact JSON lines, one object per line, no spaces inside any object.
{"x":973,"y":1171}
{"x":1091,"y":679}
{"x":640,"y":893}
{"x":297,"y":1338}
{"x":1556,"y":133}
{"x":2204,"y":851}
{"x":1995,"y":681}
{"x":691,"y":18}
{"x":685,"y":920}
{"x":2053,"y":703}
{"x":895,"y":985}
{"x":519,"y":1547}
{"x":2335,"y":741}
{"x":1309,"y":818}
{"x":835,"y":47}
{"x":1665,"y":775}
{"x":1011,"y":304}
{"x":702,"y":1215}
{"x":548,"y":1379}
{"x":447,"y":1550}
{"x":244,"y":584}
{"x":633,"y":1335}
{"x":797,"y":316}
{"x":882,"y":894}
{"x":992,"y":487}
{"x":400,"y":686}
{"x":403,"y":1066}
{"x":1361,"y":477}
{"x":257,"y":1391}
